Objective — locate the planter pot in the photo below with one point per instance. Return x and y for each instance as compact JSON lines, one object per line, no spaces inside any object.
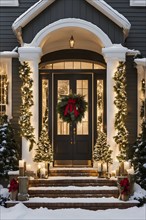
{"x":14,"y":195}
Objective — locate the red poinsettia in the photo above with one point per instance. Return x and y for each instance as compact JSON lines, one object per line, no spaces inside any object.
{"x":125,"y":186}
{"x":13,"y":185}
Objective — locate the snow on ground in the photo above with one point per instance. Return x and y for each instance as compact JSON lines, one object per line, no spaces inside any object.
{"x":20,"y":212}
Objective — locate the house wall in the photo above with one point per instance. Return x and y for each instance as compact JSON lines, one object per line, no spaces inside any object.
{"x":78,"y":9}
{"x":131,"y":77}
{"x":72,"y":9}
{"x":137,"y":18}
{"x":8,"y":15}
{"x":16,"y":100}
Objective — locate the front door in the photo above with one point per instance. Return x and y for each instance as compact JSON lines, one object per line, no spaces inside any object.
{"x":73,"y":144}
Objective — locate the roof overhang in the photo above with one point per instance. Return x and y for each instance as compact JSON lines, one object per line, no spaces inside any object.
{"x":41,"y":5}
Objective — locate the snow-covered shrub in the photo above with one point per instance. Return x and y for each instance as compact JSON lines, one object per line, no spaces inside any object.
{"x":4,"y":195}
{"x":8,"y":147}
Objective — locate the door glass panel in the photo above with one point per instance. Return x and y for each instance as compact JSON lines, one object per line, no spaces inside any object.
{"x":45,"y":95}
{"x":82,"y":89}
{"x":100,"y":105}
{"x":63,"y":88}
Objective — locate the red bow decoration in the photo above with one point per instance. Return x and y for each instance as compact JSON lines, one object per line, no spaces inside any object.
{"x":13,"y":185}
{"x":125,"y":186}
{"x":70,"y":107}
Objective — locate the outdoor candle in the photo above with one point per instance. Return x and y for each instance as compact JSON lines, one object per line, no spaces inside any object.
{"x":21,"y":163}
{"x":104,"y":167}
{"x":99,"y":167}
{"x":43,"y":170}
{"x":113,"y":173}
{"x":127,"y":165}
{"x":39,"y":166}
{"x":131,"y":170}
{"x":28,"y":167}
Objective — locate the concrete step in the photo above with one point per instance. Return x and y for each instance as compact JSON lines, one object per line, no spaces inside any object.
{"x":73,"y":172}
{"x":85,"y":203}
{"x":84,"y":181}
{"x":74,"y":192}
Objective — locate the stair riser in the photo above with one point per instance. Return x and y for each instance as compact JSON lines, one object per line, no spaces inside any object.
{"x":73,"y":174}
{"x":74,"y":195}
{"x":37,"y":183}
{"x":89,"y":206}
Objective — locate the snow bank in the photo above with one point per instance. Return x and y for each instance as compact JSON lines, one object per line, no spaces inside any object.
{"x":138,"y":192}
{"x":4,"y":192}
{"x":21,"y":212}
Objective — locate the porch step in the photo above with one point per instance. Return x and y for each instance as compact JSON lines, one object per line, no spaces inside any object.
{"x":74,"y":192}
{"x":72,"y":181}
{"x":85,"y":203}
{"x":73,"y":172}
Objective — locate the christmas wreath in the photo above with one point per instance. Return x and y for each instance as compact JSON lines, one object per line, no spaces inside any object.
{"x":71,"y":108}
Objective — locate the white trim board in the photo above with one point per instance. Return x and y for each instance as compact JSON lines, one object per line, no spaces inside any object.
{"x":138,"y":3}
{"x":7,"y":3}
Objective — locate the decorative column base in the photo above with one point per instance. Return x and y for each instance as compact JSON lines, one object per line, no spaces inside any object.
{"x":23,"y":188}
{"x":23,"y":197}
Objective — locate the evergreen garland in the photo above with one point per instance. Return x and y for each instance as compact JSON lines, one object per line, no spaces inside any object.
{"x":8,"y":147}
{"x":44,"y":149}
{"x":138,"y":151}
{"x":121,"y":138}
{"x":142,"y":100}
{"x":26,"y":128}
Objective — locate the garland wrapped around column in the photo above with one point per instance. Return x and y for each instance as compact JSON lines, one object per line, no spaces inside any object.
{"x":27,"y":129}
{"x":121,"y":138}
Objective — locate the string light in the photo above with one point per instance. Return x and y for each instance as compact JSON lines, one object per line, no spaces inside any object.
{"x":121,"y":138}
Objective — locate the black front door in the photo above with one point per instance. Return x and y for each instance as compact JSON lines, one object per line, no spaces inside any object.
{"x":73,"y":144}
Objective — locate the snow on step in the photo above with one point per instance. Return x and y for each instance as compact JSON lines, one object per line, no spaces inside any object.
{"x":75,"y":188}
{"x":74,"y":200}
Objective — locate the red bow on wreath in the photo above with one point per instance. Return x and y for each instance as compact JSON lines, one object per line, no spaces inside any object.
{"x":70,"y":107}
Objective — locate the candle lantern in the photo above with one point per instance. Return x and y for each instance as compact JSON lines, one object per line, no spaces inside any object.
{"x":21,"y":167}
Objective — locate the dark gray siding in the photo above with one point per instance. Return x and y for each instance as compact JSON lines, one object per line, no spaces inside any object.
{"x":8,"y":15}
{"x":131,"y":75}
{"x":137,"y":18}
{"x":76,"y":8}
{"x":16,"y":100}
{"x":72,"y":9}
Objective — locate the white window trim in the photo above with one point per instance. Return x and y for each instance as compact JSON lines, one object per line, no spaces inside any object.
{"x":141,"y":3}
{"x":7,"y":3}
{"x":8,"y":62}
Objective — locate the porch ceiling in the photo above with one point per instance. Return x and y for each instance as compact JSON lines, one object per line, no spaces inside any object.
{"x":59,"y":40}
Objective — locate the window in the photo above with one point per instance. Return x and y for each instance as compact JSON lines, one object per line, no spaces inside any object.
{"x":5,"y":87}
{"x":8,"y":3}
{"x":72,"y":65}
{"x":141,"y":3}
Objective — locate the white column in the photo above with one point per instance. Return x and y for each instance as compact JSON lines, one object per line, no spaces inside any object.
{"x":32,"y":56}
{"x":112,"y":57}
{"x":141,"y":74}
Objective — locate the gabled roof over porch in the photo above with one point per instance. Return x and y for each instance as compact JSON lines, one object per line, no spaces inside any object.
{"x":41,"y":5}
